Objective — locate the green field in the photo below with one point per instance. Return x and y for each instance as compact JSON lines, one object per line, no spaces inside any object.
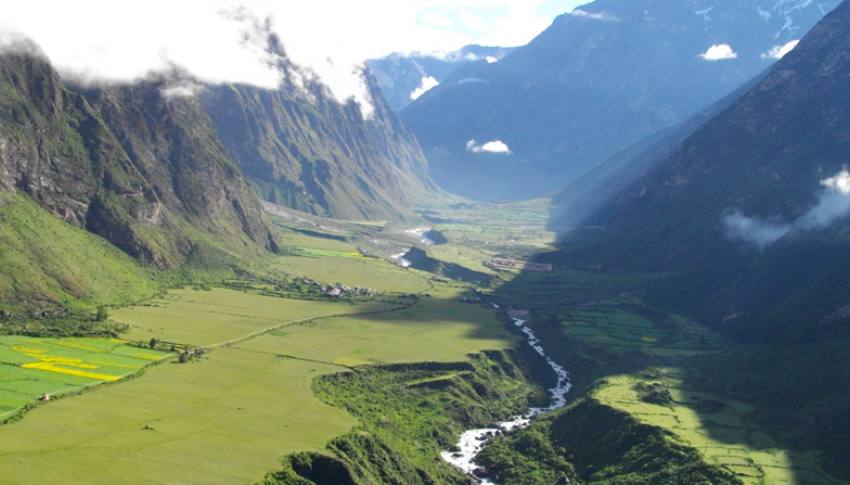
{"x":726,"y":435}
{"x":377,"y":274}
{"x":206,"y":318}
{"x":31,"y":367}
{"x":621,"y":329}
{"x":231,"y":416}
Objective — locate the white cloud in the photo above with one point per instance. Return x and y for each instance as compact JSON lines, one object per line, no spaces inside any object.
{"x":779,"y":51}
{"x":491,"y":59}
{"x":223,"y":41}
{"x":181,"y":89}
{"x":839,"y":183}
{"x":833,"y":205}
{"x":606,"y":17}
{"x":495,"y":146}
{"x":719,"y":52}
{"x":753,"y":230}
{"x":428,"y":83}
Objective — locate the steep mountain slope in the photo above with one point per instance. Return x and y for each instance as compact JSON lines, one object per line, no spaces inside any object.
{"x":599,"y":79}
{"x":47,"y":263}
{"x":301,"y":148}
{"x":751,"y":211}
{"x":402,"y":78}
{"x":583,"y":197}
{"x":140,"y":169}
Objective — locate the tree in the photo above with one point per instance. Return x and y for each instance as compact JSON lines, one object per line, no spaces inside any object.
{"x":153,"y":343}
{"x":102,"y":314}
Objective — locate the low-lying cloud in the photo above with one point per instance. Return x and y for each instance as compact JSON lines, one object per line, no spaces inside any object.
{"x":779,"y":51}
{"x":181,"y":89}
{"x":719,"y":52}
{"x":833,"y":205}
{"x":225,"y":41}
{"x":603,"y":16}
{"x":495,"y":146}
{"x":754,"y":230}
{"x":428,"y":83}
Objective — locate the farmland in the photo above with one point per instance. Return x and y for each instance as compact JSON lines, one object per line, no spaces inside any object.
{"x":31,"y":368}
{"x":206,"y":318}
{"x":230,"y":416}
{"x":723,"y":431}
{"x":290,"y":372}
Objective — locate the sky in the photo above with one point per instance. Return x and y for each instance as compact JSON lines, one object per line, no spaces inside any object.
{"x":222,"y":41}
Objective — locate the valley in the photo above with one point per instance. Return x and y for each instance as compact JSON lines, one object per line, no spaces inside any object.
{"x":270,"y":380}
{"x":247,"y":400}
{"x":324,"y":244}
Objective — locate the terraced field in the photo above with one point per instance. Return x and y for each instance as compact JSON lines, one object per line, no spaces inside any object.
{"x":723,"y":431}
{"x":31,"y":368}
{"x":620,"y":331}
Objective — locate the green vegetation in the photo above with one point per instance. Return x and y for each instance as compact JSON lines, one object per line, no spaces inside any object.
{"x":684,"y":380}
{"x":207,"y":318}
{"x":232,"y":414}
{"x":795,"y":394}
{"x":366,"y":272}
{"x":604,"y":446}
{"x":723,"y":431}
{"x":420,"y":260}
{"x":49,"y":368}
{"x":337,"y":385}
{"x":409,"y":413}
{"x":49,"y":264}
{"x":628,"y":327}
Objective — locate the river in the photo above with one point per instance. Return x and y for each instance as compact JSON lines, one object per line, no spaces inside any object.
{"x":473,"y":441}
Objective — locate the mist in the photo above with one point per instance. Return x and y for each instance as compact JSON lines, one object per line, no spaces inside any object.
{"x":226,"y":41}
{"x":833,"y":205}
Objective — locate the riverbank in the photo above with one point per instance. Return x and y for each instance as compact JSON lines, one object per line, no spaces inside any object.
{"x":472,"y":442}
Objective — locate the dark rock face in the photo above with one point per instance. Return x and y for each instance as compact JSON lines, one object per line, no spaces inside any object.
{"x":303,"y":149}
{"x":592,"y":84}
{"x":766,"y":157}
{"x":125,"y":162}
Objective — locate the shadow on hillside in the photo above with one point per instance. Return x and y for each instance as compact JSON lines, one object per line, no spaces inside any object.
{"x":793,"y":396}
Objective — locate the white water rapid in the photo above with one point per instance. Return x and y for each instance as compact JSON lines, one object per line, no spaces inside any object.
{"x":473,"y":441}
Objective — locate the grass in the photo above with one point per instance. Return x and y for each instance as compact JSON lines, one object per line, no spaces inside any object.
{"x":436,"y":329}
{"x":372,"y":273}
{"x":724,"y":434}
{"x":621,"y":329}
{"x":205,"y":318}
{"x":230,"y":417}
{"x":48,"y":262}
{"x":416,"y":410}
{"x":32,"y":367}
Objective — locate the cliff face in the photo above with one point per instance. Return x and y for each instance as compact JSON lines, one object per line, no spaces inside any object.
{"x":142,"y":170}
{"x":301,"y":148}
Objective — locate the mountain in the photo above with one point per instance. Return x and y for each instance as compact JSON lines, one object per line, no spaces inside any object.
{"x":301,"y":148}
{"x":403,"y":78}
{"x":749,"y":216}
{"x":599,"y":79}
{"x":142,"y":170}
{"x":586,"y":195}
